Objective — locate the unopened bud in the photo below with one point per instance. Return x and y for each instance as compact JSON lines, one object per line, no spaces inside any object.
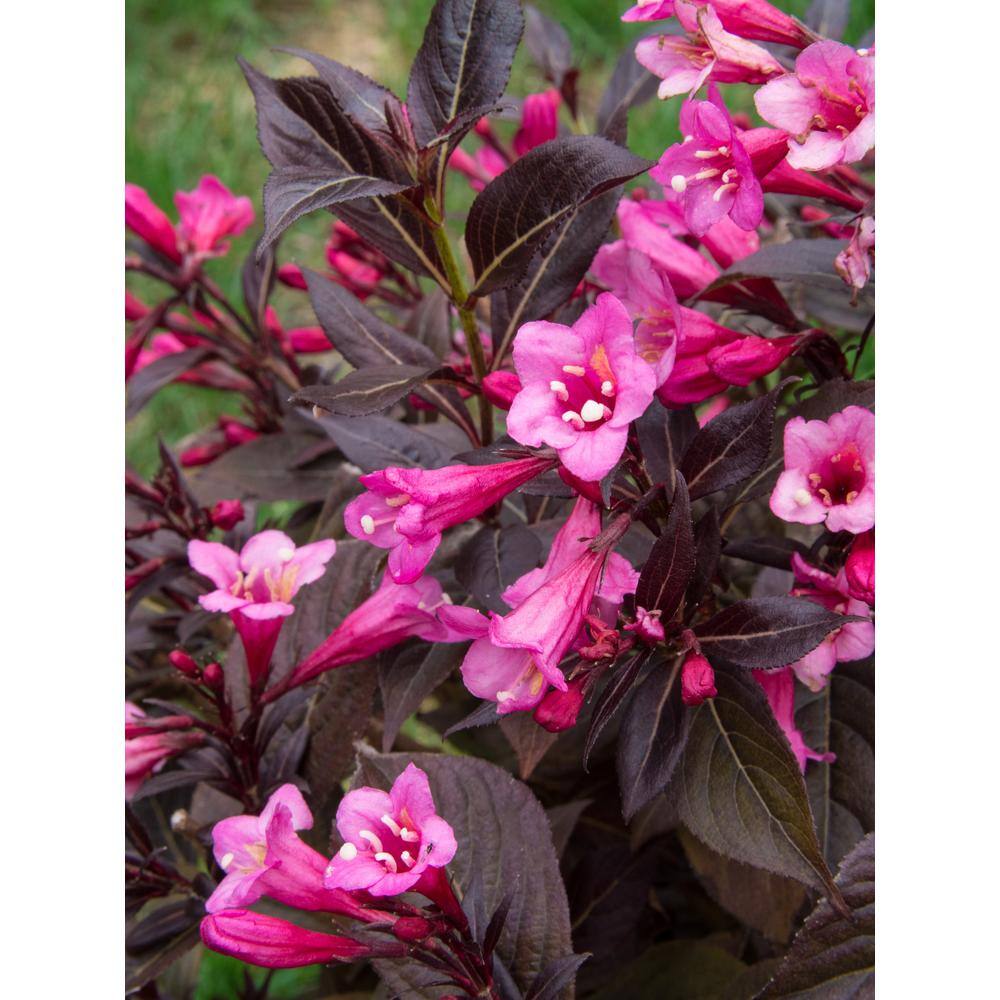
{"x":559,"y":710}
{"x":137,"y":574}
{"x":697,"y":680}
{"x":227,"y":514}
{"x":412,"y":929}
{"x":213,"y":676}
{"x":184,"y":663}
{"x":500,"y":388}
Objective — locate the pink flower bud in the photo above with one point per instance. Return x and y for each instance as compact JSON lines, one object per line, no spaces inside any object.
{"x":559,"y":710}
{"x":647,"y":625}
{"x":697,"y":680}
{"x":500,"y":388}
{"x":212,"y":675}
{"x":860,"y":568}
{"x":227,"y":514}
{"x":184,"y":663}
{"x":292,"y":276}
{"x":412,"y":929}
{"x":137,"y":574}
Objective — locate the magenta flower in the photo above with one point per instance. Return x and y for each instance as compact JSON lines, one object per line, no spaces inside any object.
{"x":150,"y":223}
{"x":828,"y":105}
{"x":779,"y":686}
{"x":393,"y":841}
{"x":710,"y":169}
{"x":859,"y":569}
{"x":274,"y":943}
{"x":255,"y":587}
{"x":539,"y":121}
{"x":227,"y":514}
{"x":854,"y":264}
{"x":853,"y":641}
{"x":746,"y":18}
{"x":697,"y":680}
{"x":500,"y":388}
{"x":150,"y":743}
{"x":262,"y":856}
{"x":582,"y":386}
{"x":514,"y":658}
{"x":708,"y":54}
{"x":647,"y":626}
{"x":405,"y":510}
{"x":829,"y":472}
{"x":393,"y":613}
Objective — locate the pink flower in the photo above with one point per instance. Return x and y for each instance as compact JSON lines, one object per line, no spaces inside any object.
{"x":829,"y":472}
{"x":255,"y":587}
{"x":854,"y":264}
{"x":135,"y":308}
{"x":853,"y":641}
{"x":209,"y":214}
{"x":150,"y":223}
{"x":583,"y":385}
{"x":262,"y":856}
{"x":500,"y":388}
{"x":828,"y":105}
{"x":747,"y":18}
{"x":227,"y":514}
{"x":274,"y":943}
{"x":859,"y":569}
{"x":300,"y":340}
{"x":393,"y":841}
{"x":559,"y":710}
{"x":708,"y":54}
{"x":779,"y":686}
{"x":406,"y":510}
{"x":539,"y":121}
{"x":647,"y":626}
{"x":697,"y":680}
{"x":710,"y":169}
{"x":149,"y":746}
{"x":393,"y":613}
{"x":515,"y":657}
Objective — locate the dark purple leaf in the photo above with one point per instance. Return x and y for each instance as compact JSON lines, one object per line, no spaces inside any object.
{"x":805,"y":261}
{"x":463,"y":63}
{"x":767,"y":632}
{"x":828,"y":18}
{"x":148,"y":381}
{"x":731,"y":447}
{"x":430,"y":323}
{"x":139,"y":973}
{"x":493,"y":559}
{"x":258,"y":283}
{"x":652,"y":736}
{"x":707,"y":549}
{"x":773,"y":551}
{"x":376,"y":442}
{"x":529,"y":741}
{"x":664,"y":436}
{"x":614,"y":693}
{"x":367,"y":390}
{"x":555,"y":977}
{"x":163,"y":925}
{"x":485,"y":715}
{"x":668,"y":570}
{"x":514,"y":214}
{"x":630,"y":85}
{"x":548,"y":44}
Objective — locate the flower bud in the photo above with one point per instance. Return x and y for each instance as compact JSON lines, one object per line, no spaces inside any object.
{"x":212,"y":675}
{"x":559,"y":710}
{"x":860,"y":568}
{"x":412,"y":929}
{"x":500,"y":388}
{"x":184,"y":663}
{"x":227,"y":514}
{"x":697,"y":680}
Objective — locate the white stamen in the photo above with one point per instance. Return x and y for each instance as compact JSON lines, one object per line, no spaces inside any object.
{"x":688,"y":138}
{"x":573,"y":418}
{"x":388,"y":821}
{"x":729,"y":175}
{"x":368,"y":524}
{"x":285,"y":554}
{"x":679,"y":183}
{"x":721,"y":190}
{"x":559,"y":388}
{"x":723,"y":151}
{"x":410,"y":836}
{"x":227,"y":860}
{"x":578,"y":370}
{"x":407,"y":859}
{"x":399,"y":500}
{"x":862,"y":52}
{"x":503,"y":696}
{"x":446,"y":599}
{"x":802,"y":497}
{"x":607,"y":388}
{"x":705,"y":154}
{"x":348,"y":852}
{"x":592,"y":411}
{"x":388,"y":860}
{"x":703,"y":175}
{"x":371,"y":838}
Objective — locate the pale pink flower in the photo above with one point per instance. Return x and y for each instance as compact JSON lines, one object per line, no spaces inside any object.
{"x":582,"y":387}
{"x":829,"y":472}
{"x":779,"y":687}
{"x":827,"y":105}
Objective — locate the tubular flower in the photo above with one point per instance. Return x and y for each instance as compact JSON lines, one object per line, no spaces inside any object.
{"x":209,"y":214}
{"x":779,"y":686}
{"x":582,"y":387}
{"x":393,"y":841}
{"x":853,"y":641}
{"x":827,"y":105}
{"x":392,"y":614}
{"x":539,"y":121}
{"x":262,"y":856}
{"x":860,"y":568}
{"x":150,"y":223}
{"x":708,"y":54}
{"x":406,"y":510}
{"x":710,"y":169}
{"x":829,"y":472}
{"x":150,"y":743}
{"x":256,"y":586}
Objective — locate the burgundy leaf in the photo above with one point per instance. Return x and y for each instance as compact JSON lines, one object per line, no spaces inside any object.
{"x":668,"y":570}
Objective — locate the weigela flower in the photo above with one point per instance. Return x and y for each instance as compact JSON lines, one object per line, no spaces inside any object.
{"x":262,"y":856}
{"x":515,"y":657}
{"x":708,"y":54}
{"x":539,"y":121}
{"x":854,"y":264}
{"x":559,"y":710}
{"x":500,"y":388}
{"x":829,"y":472}
{"x":582,"y":387}
{"x":697,"y":680}
{"x":710,"y":169}
{"x":859,"y":569}
{"x":827,"y":105}
{"x":150,"y":743}
{"x":227,"y":514}
{"x":274,"y":943}
{"x":255,"y":586}
{"x":779,"y":686}
{"x":405,"y":510}
{"x":150,"y":223}
{"x":853,"y":641}
{"x":747,"y":18}
{"x":393,"y":841}
{"x":647,"y":626}
{"x":393,"y":613}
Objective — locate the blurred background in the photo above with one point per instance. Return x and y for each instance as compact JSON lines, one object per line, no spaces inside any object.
{"x":189,"y":112}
